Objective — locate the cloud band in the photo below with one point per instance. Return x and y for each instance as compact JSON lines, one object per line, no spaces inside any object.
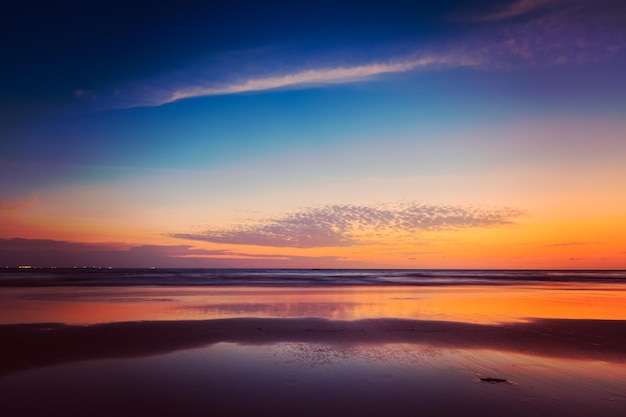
{"x":341,"y":225}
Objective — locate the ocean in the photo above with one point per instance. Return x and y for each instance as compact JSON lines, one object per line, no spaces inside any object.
{"x":88,"y":276}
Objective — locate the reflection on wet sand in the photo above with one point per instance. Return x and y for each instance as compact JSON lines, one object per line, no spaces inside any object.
{"x":559,"y":348}
{"x":306,"y":367}
{"x":473,"y":304}
{"x":40,"y":345}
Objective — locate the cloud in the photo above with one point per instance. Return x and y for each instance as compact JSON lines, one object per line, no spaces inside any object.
{"x":520,"y":34}
{"x":16,"y":205}
{"x":55,"y":253}
{"x":56,"y":247}
{"x":309,"y":77}
{"x":543,"y":33}
{"x":599,"y":11}
{"x":84,"y":94}
{"x":175,"y":87}
{"x":348,"y":225}
{"x":515,"y":9}
{"x":566,"y":244}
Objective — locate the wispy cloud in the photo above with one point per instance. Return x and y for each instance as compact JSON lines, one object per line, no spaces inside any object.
{"x":16,"y":205}
{"x":550,"y":33}
{"x":519,"y":34}
{"x":47,"y":253}
{"x":175,"y":88}
{"x":566,"y":244}
{"x":579,"y":11}
{"x":345,"y":74}
{"x":344,"y":225}
{"x":518,"y":8}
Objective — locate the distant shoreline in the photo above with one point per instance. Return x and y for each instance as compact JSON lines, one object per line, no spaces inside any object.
{"x":59,"y":277}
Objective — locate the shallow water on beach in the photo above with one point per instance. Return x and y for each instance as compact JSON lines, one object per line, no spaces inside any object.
{"x":473,"y":304}
{"x":554,"y":348}
{"x":311,"y":379}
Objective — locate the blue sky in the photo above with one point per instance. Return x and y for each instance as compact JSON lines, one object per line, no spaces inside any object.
{"x":141,"y":124}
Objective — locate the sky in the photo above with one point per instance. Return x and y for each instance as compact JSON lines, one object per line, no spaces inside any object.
{"x":326,"y":134}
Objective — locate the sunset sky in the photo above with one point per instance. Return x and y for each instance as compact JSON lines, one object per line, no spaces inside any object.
{"x":326,"y":134}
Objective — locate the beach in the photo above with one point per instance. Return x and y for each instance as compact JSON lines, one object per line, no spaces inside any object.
{"x":515,"y":349}
{"x":313,"y":209}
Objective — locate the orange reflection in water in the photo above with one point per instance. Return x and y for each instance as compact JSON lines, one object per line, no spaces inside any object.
{"x":475,"y":304}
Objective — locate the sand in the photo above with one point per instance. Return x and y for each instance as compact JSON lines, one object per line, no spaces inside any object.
{"x":310,"y":366}
{"x":37,"y":345}
{"x":393,"y":351}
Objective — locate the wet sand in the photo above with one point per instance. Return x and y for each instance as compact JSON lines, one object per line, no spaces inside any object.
{"x":470,"y":304}
{"x":313,"y":352}
{"x":38,"y":345}
{"x":312,"y":367}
